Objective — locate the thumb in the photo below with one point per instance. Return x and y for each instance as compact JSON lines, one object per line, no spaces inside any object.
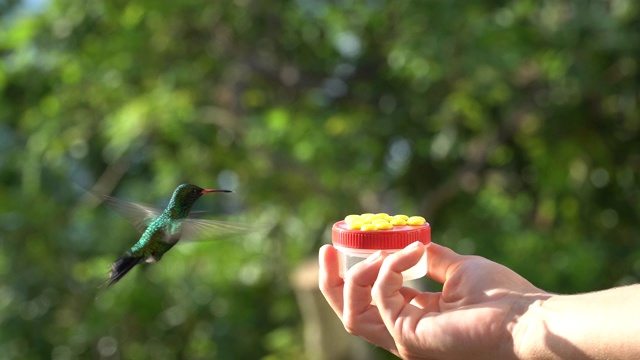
{"x":442,"y":261}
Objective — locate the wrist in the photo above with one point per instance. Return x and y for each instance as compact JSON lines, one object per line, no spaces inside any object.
{"x":528,"y":332}
{"x":597,"y":325}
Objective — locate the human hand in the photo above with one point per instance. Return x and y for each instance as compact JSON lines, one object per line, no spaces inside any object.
{"x":475,"y":316}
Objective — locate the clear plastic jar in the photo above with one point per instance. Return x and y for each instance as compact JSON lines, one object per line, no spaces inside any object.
{"x":348,"y":257}
{"x":356,"y":245}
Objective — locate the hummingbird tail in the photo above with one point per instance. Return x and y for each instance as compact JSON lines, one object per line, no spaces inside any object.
{"x":121,"y":267}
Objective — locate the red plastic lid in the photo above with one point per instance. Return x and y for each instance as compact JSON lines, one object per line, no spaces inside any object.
{"x":397,"y":238}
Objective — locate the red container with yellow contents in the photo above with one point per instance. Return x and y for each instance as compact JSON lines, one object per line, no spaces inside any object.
{"x":358,"y":236}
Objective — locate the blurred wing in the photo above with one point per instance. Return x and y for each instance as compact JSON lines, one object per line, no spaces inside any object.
{"x":138,"y":214}
{"x":200,"y":229}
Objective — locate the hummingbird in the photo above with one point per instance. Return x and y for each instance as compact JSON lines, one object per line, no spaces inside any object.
{"x":162,"y":230}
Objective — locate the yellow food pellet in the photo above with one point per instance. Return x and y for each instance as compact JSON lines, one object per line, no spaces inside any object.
{"x":416,"y":221}
{"x":383,"y":226}
{"x":350,"y":218}
{"x":368,"y":217}
{"x":368,"y":227}
{"x":355,"y":225}
{"x":379,"y":220}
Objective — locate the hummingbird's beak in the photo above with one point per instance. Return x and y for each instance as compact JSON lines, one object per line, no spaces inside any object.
{"x":204,"y":191}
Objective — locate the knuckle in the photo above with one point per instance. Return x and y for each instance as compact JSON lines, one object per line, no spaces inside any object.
{"x":323,"y":287}
{"x":350,"y":327}
{"x":350,"y":324}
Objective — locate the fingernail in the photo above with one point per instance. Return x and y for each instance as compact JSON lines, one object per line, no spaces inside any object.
{"x":373,"y":257}
{"x":412,"y":246}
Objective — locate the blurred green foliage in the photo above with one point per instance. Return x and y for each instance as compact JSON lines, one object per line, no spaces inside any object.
{"x":513,"y":126}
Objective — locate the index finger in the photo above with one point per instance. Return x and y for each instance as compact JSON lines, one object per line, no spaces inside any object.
{"x":387,"y":290}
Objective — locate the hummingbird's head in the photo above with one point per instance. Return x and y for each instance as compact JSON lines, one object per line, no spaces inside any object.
{"x":187,"y":194}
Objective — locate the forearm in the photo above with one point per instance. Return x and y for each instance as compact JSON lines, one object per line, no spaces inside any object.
{"x":599,"y":325}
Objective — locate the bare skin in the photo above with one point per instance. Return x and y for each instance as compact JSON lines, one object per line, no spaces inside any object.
{"x":485,"y":311}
